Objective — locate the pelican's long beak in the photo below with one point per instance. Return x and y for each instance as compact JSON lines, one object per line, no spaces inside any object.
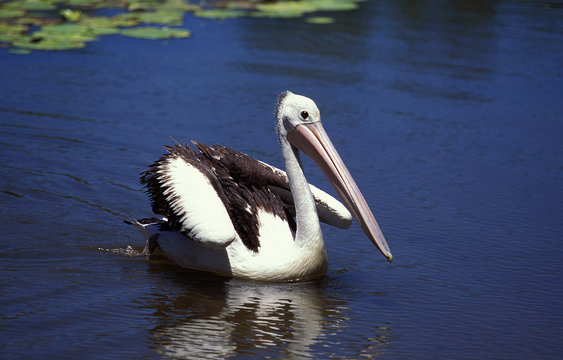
{"x":313,"y":141}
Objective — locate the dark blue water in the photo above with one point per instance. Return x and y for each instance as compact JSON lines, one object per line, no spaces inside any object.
{"x":448,"y":114}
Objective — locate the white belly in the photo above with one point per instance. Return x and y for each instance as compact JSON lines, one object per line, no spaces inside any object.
{"x":277,"y":259}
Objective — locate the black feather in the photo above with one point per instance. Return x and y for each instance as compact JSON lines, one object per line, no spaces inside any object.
{"x":240,"y":181}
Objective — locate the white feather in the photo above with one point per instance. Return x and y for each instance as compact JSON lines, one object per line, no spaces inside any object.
{"x":194,"y":199}
{"x":278,"y":258}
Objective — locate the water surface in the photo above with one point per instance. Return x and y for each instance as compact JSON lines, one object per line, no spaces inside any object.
{"x":447,"y":114}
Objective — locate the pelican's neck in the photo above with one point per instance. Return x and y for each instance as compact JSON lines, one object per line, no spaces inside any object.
{"x":308,"y":232}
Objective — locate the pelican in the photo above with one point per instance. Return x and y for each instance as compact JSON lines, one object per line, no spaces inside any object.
{"x":225,"y":212}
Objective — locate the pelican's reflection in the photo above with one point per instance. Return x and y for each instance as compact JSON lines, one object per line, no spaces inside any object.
{"x":206,"y":316}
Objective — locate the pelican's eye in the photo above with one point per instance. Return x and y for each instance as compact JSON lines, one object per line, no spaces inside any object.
{"x":304,"y":114}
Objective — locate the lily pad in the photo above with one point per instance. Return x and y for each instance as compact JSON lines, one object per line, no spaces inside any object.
{"x":155,"y":33}
{"x":86,"y":4}
{"x":75,"y":27}
{"x":65,"y":32}
{"x":238,"y":5}
{"x":11,"y":32}
{"x":335,"y":5}
{"x":320,"y":20}
{"x":141,"y":5}
{"x":48,"y":44}
{"x":71,"y":15}
{"x":31,"y":20}
{"x":120,"y":20}
{"x":286,"y":9}
{"x":103,"y":22}
{"x":220,"y":14}
{"x":12,"y":28}
{"x":31,"y":5}
{"x":11,"y":13}
{"x":178,"y":5}
{"x":164,"y":17}
{"x":19,"y":51}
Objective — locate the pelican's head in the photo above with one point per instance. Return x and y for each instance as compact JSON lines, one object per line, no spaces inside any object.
{"x":299,"y":121}
{"x":293,"y":110}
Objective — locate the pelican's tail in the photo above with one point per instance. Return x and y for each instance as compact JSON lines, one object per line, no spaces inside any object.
{"x":151,"y":229}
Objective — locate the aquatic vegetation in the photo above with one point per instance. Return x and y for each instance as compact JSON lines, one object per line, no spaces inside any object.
{"x":285,"y":9}
{"x":220,"y":14}
{"x":71,"y":15}
{"x":320,"y":20}
{"x":11,"y":32}
{"x":154,"y":33}
{"x":11,"y":13}
{"x":27,"y":25}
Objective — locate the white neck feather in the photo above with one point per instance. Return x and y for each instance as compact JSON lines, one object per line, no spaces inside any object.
{"x":308,"y":233}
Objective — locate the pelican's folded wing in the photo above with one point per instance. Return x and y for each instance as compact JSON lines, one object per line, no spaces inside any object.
{"x":183,"y":188}
{"x":330,"y":210}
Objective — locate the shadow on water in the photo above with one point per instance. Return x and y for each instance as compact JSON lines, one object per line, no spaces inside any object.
{"x":216,"y":318}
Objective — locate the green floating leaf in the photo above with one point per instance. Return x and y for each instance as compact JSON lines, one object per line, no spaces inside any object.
{"x":164,"y":17}
{"x":70,"y":32}
{"x":220,"y":14}
{"x":155,"y":33}
{"x":140,"y":5}
{"x":78,"y":28}
{"x":48,"y":44}
{"x":335,"y":5}
{"x":71,"y":15}
{"x":31,"y":5}
{"x":91,"y":4}
{"x":320,"y":20}
{"x":8,"y":38}
{"x":286,"y":9}
{"x":28,"y":21}
{"x":178,"y":5}
{"x":12,"y":28}
{"x":11,"y":13}
{"x":102,"y":25}
{"x":120,"y":20}
{"x":239,"y":5}
{"x":12,"y":32}
{"x":20,"y":51}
